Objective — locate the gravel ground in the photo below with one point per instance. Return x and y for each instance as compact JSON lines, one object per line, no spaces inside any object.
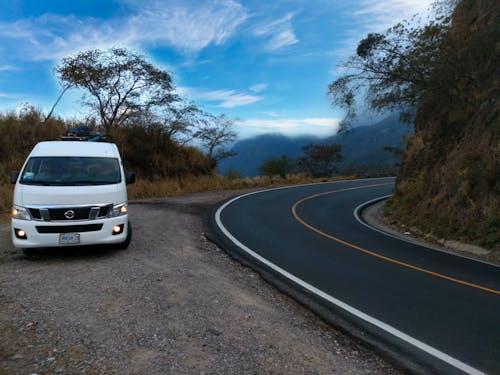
{"x":173,"y":303}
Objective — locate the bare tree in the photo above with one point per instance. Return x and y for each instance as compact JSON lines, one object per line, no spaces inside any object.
{"x":393,"y":70}
{"x":65,"y":87}
{"x":215,"y":133}
{"x":119,"y":84}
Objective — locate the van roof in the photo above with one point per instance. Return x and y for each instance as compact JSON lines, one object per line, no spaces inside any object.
{"x":75,"y":148}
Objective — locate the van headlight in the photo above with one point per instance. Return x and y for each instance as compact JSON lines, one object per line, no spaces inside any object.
{"x":118,"y":210}
{"x":20,"y":213}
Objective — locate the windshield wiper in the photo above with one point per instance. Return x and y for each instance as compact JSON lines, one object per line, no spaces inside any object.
{"x":43,"y":183}
{"x":92,"y":182}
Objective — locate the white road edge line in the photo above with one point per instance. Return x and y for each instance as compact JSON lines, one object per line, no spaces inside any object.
{"x":352,"y":310}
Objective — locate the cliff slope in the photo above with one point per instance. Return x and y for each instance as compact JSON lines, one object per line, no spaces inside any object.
{"x":449,"y":181}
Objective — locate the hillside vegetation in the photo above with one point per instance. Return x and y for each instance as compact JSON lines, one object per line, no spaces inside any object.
{"x":445,"y":75}
{"x":147,"y":150}
{"x":449,"y":181}
{"x":164,"y":166}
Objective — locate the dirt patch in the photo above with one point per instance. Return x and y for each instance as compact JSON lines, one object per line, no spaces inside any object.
{"x":173,"y":303}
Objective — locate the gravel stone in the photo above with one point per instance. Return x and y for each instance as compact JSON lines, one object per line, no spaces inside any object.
{"x":172,"y":303}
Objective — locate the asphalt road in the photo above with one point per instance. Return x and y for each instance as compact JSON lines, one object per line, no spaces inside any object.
{"x":439,"y":311}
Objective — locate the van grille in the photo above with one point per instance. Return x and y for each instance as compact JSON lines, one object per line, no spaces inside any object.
{"x":61,"y":213}
{"x":79,"y":213}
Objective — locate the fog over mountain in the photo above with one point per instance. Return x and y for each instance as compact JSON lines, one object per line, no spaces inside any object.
{"x":363,"y":146}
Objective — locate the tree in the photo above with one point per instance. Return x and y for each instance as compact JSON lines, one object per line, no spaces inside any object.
{"x":215,"y":133}
{"x":180,"y":121}
{"x":393,"y":70}
{"x":281,"y":166}
{"x":320,"y":160}
{"x":120,"y":84}
{"x":65,"y":87}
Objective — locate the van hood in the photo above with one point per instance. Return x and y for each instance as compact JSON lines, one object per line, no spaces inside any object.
{"x":70,"y":195}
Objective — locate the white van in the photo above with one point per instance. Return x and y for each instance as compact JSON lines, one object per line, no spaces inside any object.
{"x":71,"y":193}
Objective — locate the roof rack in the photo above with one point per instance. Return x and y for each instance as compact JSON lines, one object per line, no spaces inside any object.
{"x":83,"y":133}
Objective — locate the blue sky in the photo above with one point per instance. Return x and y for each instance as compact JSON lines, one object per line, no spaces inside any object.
{"x":264,"y":63}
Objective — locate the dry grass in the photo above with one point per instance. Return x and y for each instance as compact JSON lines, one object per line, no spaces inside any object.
{"x":195,"y":184}
{"x":6,"y":191}
{"x":144,"y":189}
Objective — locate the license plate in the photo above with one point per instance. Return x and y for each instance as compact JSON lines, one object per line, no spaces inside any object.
{"x":69,"y":238}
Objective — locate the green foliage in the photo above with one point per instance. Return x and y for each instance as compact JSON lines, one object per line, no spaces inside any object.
{"x":317,"y":161}
{"x":457,"y":143}
{"x":447,"y":71}
{"x":320,"y":160}
{"x":282,"y":166}
{"x":392,"y":69}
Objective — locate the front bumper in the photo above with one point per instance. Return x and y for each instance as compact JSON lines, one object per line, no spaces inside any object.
{"x":89,"y":232}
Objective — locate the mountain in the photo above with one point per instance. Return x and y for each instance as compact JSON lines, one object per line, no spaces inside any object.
{"x":362,"y":147}
{"x":252,"y":152}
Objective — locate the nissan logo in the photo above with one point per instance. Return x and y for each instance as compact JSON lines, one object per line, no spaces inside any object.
{"x":70,"y":214}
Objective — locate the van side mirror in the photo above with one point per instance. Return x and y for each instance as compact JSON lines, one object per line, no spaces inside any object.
{"x":130,"y":179}
{"x":13,"y":176}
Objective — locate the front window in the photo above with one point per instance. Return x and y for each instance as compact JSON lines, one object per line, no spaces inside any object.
{"x":69,"y":170}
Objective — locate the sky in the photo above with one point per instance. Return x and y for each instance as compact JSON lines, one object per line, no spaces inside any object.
{"x":266,"y":64}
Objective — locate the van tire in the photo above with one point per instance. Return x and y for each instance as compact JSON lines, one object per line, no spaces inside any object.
{"x":124,"y":245}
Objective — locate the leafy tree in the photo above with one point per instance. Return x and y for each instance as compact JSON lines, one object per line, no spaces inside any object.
{"x":320,"y":160}
{"x":120,"y":84}
{"x":393,"y":70}
{"x":215,"y":133}
{"x":281,"y":166}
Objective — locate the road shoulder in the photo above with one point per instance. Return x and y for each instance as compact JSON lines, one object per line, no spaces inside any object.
{"x":372,"y":214}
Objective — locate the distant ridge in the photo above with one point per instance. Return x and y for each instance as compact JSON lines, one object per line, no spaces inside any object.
{"x":362,"y":147}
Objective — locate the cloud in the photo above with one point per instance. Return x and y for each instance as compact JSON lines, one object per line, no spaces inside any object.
{"x":224,"y":98}
{"x":280,"y":33}
{"x":259,"y":87}
{"x":185,"y":26}
{"x":10,"y":96}
{"x":376,"y":16}
{"x":8,"y":68}
{"x":51,"y":37}
{"x":288,"y":126}
{"x":381,"y":14}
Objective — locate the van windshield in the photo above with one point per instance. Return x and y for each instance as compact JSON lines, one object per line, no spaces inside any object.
{"x":69,"y":170}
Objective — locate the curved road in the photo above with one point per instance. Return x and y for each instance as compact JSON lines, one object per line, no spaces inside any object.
{"x":441,"y":312}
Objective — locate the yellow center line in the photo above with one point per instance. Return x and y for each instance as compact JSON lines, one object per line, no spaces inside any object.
{"x":373,"y":253}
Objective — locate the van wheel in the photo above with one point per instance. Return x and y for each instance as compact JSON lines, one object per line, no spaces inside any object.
{"x":124,"y":244}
